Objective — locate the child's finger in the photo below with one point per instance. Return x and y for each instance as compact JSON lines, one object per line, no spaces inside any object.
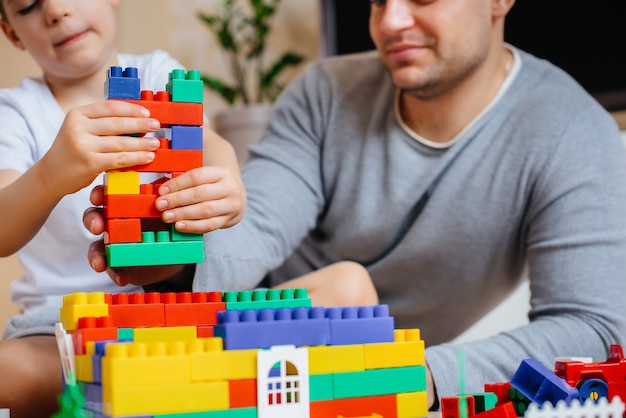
{"x":108,"y":108}
{"x":197,"y":176}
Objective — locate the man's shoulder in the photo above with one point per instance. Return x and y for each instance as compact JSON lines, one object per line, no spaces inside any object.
{"x":353,"y":64}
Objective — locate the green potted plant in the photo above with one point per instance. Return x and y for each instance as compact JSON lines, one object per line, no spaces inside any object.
{"x":241,"y":31}
{"x":243,"y":39}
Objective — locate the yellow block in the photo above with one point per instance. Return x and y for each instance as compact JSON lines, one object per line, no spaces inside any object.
{"x":82,"y":305}
{"x":165,"y":399}
{"x":84,"y":368}
{"x":165,"y":334}
{"x":336,"y":358}
{"x":209,"y":361}
{"x":121,"y":182}
{"x":412,"y":404}
{"x":406,"y":350}
{"x":142,"y":364}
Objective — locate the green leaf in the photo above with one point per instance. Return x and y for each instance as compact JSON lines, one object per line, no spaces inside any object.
{"x":228,"y":93}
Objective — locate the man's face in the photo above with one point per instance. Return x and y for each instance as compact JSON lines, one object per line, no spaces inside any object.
{"x":429,"y":46}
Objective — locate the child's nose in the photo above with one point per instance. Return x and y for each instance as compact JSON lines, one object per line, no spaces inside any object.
{"x":56,"y":10}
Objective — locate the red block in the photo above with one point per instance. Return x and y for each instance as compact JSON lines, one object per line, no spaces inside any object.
{"x":506,"y":410}
{"x":170,"y":160}
{"x":170,"y":113}
{"x":205,"y":331}
{"x":451,"y":406}
{"x":501,"y":390}
{"x":242,"y":393}
{"x":384,"y":405}
{"x":136,"y":310}
{"x":130,"y":206}
{"x":186,"y":308}
{"x":122,"y":230}
{"x":92,"y":329}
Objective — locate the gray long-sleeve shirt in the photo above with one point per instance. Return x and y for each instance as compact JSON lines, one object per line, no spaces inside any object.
{"x":540,"y":183}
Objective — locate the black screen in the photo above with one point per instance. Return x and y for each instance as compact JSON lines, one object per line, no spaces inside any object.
{"x":585,"y":38}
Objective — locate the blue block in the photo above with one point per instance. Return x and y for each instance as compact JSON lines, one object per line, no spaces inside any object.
{"x":539,"y":384}
{"x":96,"y":365}
{"x":267,"y":327}
{"x":360,"y":325}
{"x":122,"y":84}
{"x":186,"y":137}
{"x":93,"y":397}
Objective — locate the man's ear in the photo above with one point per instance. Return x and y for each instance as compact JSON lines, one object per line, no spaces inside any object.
{"x":8,"y":31}
{"x":499,"y":8}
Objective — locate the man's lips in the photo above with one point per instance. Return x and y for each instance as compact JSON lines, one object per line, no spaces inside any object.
{"x":404,"y":51}
{"x":72,"y":38}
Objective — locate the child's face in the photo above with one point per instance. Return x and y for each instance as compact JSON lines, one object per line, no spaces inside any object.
{"x":69,"y":39}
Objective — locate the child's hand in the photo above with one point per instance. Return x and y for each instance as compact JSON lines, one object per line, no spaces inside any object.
{"x":89,"y":143}
{"x":202,"y":200}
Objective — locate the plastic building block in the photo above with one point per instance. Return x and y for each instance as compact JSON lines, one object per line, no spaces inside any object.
{"x":170,"y":160}
{"x":185,"y":87}
{"x":360,"y":325}
{"x":540,"y":384}
{"x":451,"y":406}
{"x":268,"y":327}
{"x":379,"y":382}
{"x":122,"y":84}
{"x":92,"y":329}
{"x":412,"y":404}
{"x":130,"y":206}
{"x":186,"y":137}
{"x":383,"y":405}
{"x":78,"y":305}
{"x":121,"y":182}
{"x":406,"y":350}
{"x":159,"y":252}
{"x":242,"y":393}
{"x":321,"y":387}
{"x":156,"y":334}
{"x":122,"y":230}
{"x":484,"y":401}
{"x":136,"y":310}
{"x":267,"y":299}
{"x":186,"y":308}
{"x":336,"y":358}
{"x":501,"y":390}
{"x":210,"y":362}
{"x":170,"y":113}
{"x":506,"y":410}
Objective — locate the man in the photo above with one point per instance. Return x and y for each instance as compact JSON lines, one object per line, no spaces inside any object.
{"x":446,"y":163}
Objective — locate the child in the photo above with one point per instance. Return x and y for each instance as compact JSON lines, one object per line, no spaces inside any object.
{"x":57,"y":137}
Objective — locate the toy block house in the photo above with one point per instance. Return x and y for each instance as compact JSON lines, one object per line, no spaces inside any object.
{"x":134,"y":233}
{"x":261,"y":354}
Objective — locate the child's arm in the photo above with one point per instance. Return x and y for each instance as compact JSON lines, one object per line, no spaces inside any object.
{"x":87,"y":144}
{"x":200,"y":200}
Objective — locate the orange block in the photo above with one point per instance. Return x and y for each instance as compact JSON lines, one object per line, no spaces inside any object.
{"x":384,"y":405}
{"x":122,"y":230}
{"x":242,"y":393}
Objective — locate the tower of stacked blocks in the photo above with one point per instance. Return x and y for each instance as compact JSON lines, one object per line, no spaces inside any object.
{"x":134,"y":233}
{"x":250,"y":354}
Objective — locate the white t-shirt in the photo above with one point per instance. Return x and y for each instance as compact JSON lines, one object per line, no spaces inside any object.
{"x":55,"y":260}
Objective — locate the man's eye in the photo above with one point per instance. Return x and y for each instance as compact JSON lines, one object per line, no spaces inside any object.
{"x":377,"y":2}
{"x":26,"y":10}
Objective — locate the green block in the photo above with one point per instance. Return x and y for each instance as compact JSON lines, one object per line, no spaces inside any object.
{"x":320,"y":387}
{"x":188,"y":88}
{"x":379,"y":382}
{"x":154,"y":253}
{"x":226,"y":413}
{"x":125,"y":334}
{"x":484,"y":401}
{"x":185,"y":236}
{"x":267,"y":299}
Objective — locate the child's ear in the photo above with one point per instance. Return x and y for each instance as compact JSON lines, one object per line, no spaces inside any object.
{"x":11,"y":35}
